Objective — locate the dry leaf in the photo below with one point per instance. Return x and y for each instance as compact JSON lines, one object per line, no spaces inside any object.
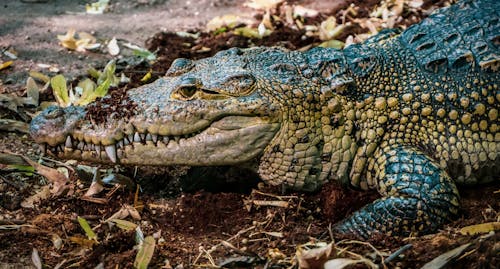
{"x":262,"y":4}
{"x":83,"y":242}
{"x":329,"y":29}
{"x":480,"y":228}
{"x":39,"y":76}
{"x":275,"y":254}
{"x":300,"y":11}
{"x":314,"y":258}
{"x":14,"y":126}
{"x":124,"y":224}
{"x":113,"y":48}
{"x":443,"y":259}
{"x":230,"y":21}
{"x":97,"y":8}
{"x":42,"y":194}
{"x":5,"y":64}
{"x":145,"y":253}
{"x":68,"y":40}
{"x":345,"y":262}
{"x":57,"y":179}
{"x":35,"y":258}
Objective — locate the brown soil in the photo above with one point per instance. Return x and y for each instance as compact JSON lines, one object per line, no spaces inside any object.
{"x":218,"y":219}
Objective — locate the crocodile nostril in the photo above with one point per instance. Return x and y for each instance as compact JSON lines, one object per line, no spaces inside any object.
{"x":54,"y":112}
{"x":179,"y":66}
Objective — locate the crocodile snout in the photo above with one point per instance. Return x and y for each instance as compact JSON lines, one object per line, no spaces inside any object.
{"x":54,"y":123}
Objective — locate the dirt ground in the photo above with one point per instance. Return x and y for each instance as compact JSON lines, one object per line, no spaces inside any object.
{"x":199,"y":218}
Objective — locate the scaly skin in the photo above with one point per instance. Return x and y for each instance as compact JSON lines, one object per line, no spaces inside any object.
{"x":409,"y":115}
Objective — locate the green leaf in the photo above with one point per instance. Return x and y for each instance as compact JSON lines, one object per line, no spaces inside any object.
{"x":124,"y":224}
{"x":28,"y":169}
{"x":86,"y":227}
{"x":94,"y":73}
{"x":88,"y":86}
{"x":144,"y":53}
{"x":334,"y":44}
{"x":108,"y":73}
{"x":60,"y":91}
{"x":145,"y":253}
{"x":102,"y":89}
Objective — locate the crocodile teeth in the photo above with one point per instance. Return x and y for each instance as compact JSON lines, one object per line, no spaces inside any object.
{"x":149,"y":137}
{"x":154,"y":138}
{"x":80,"y":145}
{"x":43,"y":148}
{"x":111,"y":152}
{"x":165,"y":140}
{"x":98,"y":150}
{"x":176,"y":138}
{"x":69,"y":143}
{"x":137,"y":138}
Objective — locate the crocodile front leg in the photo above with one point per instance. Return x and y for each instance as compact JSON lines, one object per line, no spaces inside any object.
{"x":418,"y":196}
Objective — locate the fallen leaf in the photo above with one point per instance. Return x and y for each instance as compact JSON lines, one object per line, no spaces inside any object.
{"x":39,"y":76}
{"x":35,"y":258}
{"x":334,"y":44}
{"x":480,"y":228}
{"x":68,"y":40}
{"x":32,"y":90}
{"x":14,"y":126}
{"x":11,"y":53}
{"x":329,"y":29}
{"x":315,"y":257}
{"x":84,"y":242}
{"x":263,"y":4}
{"x":113,"y":47}
{"x":147,"y":76}
{"x":249,"y":32}
{"x":145,"y":253}
{"x":301,"y":11}
{"x":228,"y":21}
{"x":86,"y":227}
{"x":42,"y":194}
{"x":443,"y":259}
{"x":274,"y":234}
{"x":56,"y":241}
{"x":340,"y":263}
{"x":60,"y":90}
{"x":57,"y":179}
{"x":5,"y":64}
{"x":97,"y":8}
{"x":275,"y":254}
{"x":124,"y":224}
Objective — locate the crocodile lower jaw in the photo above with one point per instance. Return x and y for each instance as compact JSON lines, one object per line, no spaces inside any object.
{"x":222,"y":143}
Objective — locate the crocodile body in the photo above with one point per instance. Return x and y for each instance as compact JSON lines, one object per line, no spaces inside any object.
{"x":410,"y":115}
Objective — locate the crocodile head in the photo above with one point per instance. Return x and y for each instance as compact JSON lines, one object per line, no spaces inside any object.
{"x":227,"y":109}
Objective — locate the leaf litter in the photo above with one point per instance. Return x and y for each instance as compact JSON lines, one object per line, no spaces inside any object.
{"x":225,"y":229}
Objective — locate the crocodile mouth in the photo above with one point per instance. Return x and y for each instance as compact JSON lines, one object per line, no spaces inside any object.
{"x":229,"y":140}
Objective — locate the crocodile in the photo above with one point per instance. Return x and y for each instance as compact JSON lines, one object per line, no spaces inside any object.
{"x":409,"y":114}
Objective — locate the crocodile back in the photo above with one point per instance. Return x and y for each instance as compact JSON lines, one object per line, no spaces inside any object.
{"x":452,"y":93}
{"x":461,"y":36}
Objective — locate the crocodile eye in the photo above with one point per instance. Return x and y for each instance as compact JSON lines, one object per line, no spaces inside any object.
{"x":239,"y":84}
{"x":187,"y":91}
{"x":179,"y":66}
{"x":54,"y":112}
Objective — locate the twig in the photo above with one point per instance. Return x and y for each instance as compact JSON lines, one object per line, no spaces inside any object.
{"x":396,"y":253}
